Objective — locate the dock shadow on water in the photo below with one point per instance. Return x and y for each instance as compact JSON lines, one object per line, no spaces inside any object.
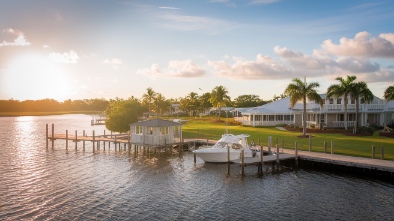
{"x":40,"y":184}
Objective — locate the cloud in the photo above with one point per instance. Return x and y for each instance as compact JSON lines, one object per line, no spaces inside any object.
{"x":67,"y":57}
{"x":20,"y":40}
{"x":263,"y":2}
{"x":195,"y":23}
{"x":115,"y":62}
{"x":362,"y":45}
{"x":176,"y":69}
{"x":263,"y":67}
{"x":170,"y":8}
{"x":322,"y":62}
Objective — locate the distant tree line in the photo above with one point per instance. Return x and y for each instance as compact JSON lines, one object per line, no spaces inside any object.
{"x":51,"y":105}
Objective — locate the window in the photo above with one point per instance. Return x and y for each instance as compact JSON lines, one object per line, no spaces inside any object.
{"x":339,"y":100}
{"x":279,"y":117}
{"x":331,"y":101}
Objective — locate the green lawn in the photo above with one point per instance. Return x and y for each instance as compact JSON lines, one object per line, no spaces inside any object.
{"x":207,"y":128}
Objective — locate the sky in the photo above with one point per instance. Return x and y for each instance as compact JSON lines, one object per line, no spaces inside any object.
{"x":73,"y":49}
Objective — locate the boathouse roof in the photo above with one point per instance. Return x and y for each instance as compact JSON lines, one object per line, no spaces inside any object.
{"x":156,"y":123}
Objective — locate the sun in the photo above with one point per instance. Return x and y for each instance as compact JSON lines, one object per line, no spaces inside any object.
{"x":35,"y":77}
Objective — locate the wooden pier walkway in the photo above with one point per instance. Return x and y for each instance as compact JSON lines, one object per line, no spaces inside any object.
{"x":359,"y":162}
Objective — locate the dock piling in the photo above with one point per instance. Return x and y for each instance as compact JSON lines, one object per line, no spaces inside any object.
{"x":46,"y":135}
{"x":242,"y":162}
{"x":53,"y":136}
{"x":373,"y":151}
{"x":76,"y":140}
{"x":66,"y":139}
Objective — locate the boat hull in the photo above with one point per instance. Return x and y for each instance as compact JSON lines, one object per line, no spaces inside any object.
{"x":216,"y":156}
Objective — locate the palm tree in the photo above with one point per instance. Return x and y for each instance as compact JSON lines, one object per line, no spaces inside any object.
{"x":161,"y":104}
{"x":300,"y":91}
{"x":360,"y":91}
{"x":193,"y":102}
{"x":148,"y":97}
{"x":219,"y":97}
{"x":344,"y":88}
{"x":389,"y":93}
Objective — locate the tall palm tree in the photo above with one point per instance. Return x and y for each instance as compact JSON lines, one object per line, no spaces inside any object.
{"x":148,"y":97}
{"x":161,"y":104}
{"x":344,"y":89}
{"x":300,"y":91}
{"x":360,"y":91}
{"x":193,"y":102}
{"x":219,"y":97}
{"x":389,"y":93}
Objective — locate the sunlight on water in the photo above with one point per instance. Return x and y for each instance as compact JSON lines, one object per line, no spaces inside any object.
{"x":60,"y":184}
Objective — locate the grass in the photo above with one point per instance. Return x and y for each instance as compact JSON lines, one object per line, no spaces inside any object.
{"x":208,"y":128}
{"x":32,"y":113}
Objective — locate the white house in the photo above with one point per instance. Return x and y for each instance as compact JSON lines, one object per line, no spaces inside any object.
{"x":378,"y":112}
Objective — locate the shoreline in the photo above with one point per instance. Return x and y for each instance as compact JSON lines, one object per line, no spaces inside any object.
{"x":40,"y":113}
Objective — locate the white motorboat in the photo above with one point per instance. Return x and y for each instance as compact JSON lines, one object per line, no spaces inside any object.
{"x":218,"y":153}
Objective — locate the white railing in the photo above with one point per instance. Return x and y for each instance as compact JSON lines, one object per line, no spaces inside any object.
{"x":312,"y":124}
{"x":342,"y":123}
{"x":375,"y":106}
{"x":152,"y":140}
{"x":265,"y":123}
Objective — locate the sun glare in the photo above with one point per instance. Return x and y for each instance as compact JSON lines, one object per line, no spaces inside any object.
{"x":34,"y":77}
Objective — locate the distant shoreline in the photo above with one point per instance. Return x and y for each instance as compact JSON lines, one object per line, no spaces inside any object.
{"x":32,"y":113}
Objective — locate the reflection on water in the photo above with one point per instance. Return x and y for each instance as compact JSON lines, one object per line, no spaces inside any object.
{"x":40,"y":184}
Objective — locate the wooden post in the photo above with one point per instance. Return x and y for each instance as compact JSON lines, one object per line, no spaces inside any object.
{"x":310,"y":142}
{"x":258,"y":140}
{"x":296,"y":153}
{"x":276,"y":141}
{"x":115,"y":143}
{"x":83,"y":142}
{"x":373,"y":151}
{"x":111,"y":133}
{"x":260,"y":168}
{"x":194,"y":158}
{"x":277,"y":153}
{"x":242,"y":162}
{"x":283,"y":145}
{"x":332,"y":147}
{"x":382,"y":153}
{"x":53,"y":136}
{"x":66,"y":139}
{"x":325,"y":147}
{"x":94,"y":141}
{"x":76,"y":138}
{"x":228,"y":160}
{"x":46,"y":135}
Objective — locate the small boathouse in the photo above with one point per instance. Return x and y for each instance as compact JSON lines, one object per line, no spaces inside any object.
{"x":155,"y":132}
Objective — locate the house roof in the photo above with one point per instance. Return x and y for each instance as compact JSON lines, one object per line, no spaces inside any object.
{"x":282,"y":106}
{"x":156,"y":123}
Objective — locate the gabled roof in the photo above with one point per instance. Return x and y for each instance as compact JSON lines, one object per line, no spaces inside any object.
{"x":156,"y":123}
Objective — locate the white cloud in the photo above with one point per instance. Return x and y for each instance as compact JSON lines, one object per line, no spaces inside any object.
{"x":115,"y":62}
{"x":195,"y":23}
{"x":351,"y":57}
{"x":176,"y":69}
{"x":263,"y":2}
{"x":263,"y":67}
{"x":67,"y":57}
{"x":170,"y":8}
{"x":20,"y":40}
{"x":362,"y":45}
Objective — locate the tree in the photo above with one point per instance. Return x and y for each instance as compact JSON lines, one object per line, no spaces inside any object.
{"x":148,"y":97}
{"x":389,"y":93}
{"x":248,"y":100}
{"x":360,"y":91}
{"x":161,"y":104}
{"x":219,"y":97}
{"x":344,"y":88}
{"x":121,"y":113}
{"x":300,"y":91}
{"x":192,"y":102}
{"x":204,"y":102}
